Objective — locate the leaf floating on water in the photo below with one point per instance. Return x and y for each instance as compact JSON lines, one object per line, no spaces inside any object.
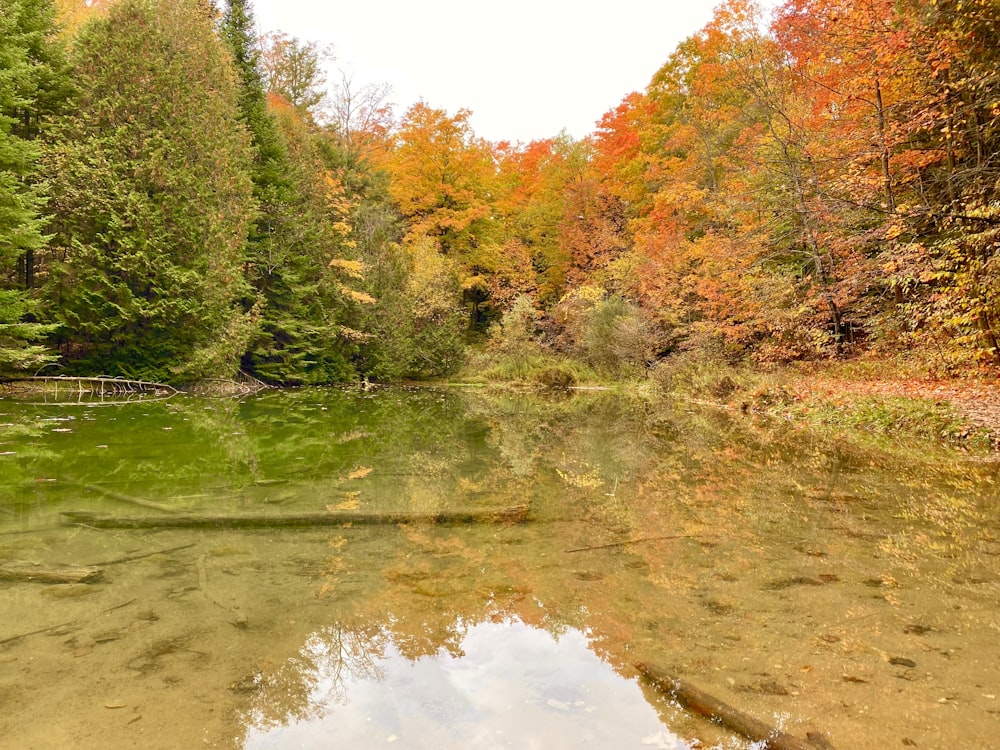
{"x":116,"y":704}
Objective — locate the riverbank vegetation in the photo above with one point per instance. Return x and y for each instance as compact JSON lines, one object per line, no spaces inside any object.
{"x":181,"y":199}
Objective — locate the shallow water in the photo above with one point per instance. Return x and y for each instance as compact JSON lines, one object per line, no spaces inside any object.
{"x":819,"y":585}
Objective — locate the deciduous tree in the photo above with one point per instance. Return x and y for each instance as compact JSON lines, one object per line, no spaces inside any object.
{"x":295,"y":70}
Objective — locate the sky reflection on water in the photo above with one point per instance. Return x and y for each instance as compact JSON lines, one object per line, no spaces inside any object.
{"x":511,"y":685}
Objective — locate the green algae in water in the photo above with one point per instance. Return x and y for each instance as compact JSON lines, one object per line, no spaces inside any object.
{"x":817,"y":586}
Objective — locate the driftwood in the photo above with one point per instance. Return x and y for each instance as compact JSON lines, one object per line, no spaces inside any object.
{"x":31,"y":573}
{"x":285,"y":520}
{"x":701,"y":703}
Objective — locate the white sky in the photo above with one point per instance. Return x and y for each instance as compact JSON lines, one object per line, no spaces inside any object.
{"x":526,"y":68}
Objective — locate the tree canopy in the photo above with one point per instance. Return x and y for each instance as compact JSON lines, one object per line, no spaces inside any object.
{"x":817,"y":180}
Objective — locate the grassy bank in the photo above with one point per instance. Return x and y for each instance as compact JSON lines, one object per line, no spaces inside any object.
{"x":883,"y":400}
{"x":873,"y":400}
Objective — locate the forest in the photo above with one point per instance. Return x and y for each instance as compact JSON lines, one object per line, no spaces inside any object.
{"x":181,"y":198}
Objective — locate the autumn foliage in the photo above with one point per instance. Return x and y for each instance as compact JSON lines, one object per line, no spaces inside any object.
{"x":817,"y":180}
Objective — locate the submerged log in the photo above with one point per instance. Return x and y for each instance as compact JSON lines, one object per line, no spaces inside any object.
{"x":701,"y":703}
{"x":31,"y":573}
{"x":515,"y":513}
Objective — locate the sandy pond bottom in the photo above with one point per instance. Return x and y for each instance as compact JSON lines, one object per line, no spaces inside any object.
{"x":817,"y":589}
{"x":254,"y":644}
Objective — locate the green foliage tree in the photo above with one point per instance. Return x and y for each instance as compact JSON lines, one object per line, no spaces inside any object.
{"x":419,"y":332}
{"x":33,"y":84}
{"x":299,"y":256}
{"x":152,"y":198}
{"x":315,"y":295}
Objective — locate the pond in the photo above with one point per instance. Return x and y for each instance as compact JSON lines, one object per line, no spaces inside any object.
{"x":824,"y":585}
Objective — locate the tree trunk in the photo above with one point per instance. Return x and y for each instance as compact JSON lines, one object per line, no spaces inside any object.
{"x":890,"y":201}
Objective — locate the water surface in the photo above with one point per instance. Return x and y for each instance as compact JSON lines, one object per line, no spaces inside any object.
{"x":819,"y":584}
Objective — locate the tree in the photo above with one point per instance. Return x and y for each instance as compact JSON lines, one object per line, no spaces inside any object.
{"x":360,"y":117}
{"x":33,"y":85}
{"x":293,"y":70}
{"x":300,"y":258}
{"x":420,"y":331}
{"x":533,"y":204}
{"x":311,"y":277}
{"x":904,"y":99}
{"x":442,"y":177}
{"x":72,"y":14}
{"x":444,"y":182}
{"x":950,"y":221}
{"x":152,"y":199}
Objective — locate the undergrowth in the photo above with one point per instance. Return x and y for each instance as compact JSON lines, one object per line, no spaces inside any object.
{"x":778,"y":392}
{"x":539,"y":369}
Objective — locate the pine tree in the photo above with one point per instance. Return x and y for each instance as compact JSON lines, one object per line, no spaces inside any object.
{"x":152,"y":198}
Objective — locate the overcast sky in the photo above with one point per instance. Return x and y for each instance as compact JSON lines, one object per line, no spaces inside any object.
{"x":526,"y":68}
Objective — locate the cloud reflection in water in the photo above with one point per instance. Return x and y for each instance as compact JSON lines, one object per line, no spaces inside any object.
{"x":515,"y":687}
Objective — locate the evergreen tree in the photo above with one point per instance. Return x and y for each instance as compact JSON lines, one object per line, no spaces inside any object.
{"x":33,"y":83}
{"x":152,"y":198}
{"x":297,"y":236}
{"x":309,"y":325}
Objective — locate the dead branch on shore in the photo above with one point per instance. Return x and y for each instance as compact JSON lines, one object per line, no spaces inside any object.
{"x":119,"y":389}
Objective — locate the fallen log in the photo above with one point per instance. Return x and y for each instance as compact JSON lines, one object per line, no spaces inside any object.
{"x":701,"y":703}
{"x":32,"y":573}
{"x":515,"y":514}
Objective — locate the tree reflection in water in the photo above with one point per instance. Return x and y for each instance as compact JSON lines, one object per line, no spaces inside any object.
{"x":508,"y":685}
